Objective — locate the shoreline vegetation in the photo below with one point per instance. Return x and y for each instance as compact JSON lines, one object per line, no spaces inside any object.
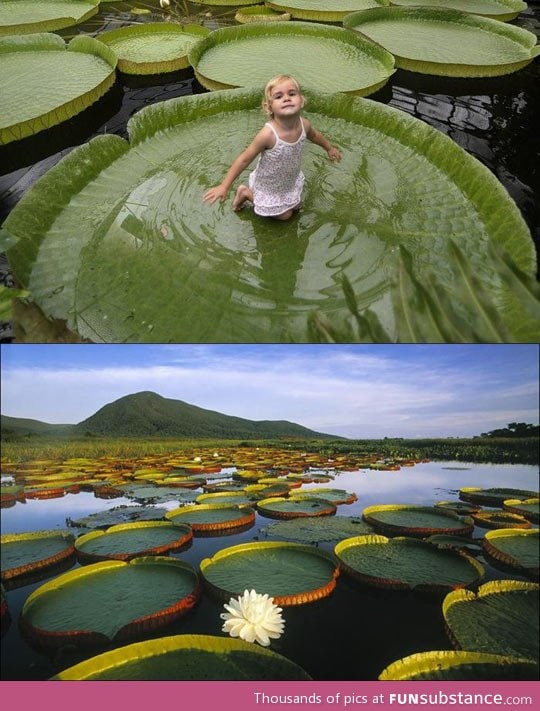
{"x":17,"y":448}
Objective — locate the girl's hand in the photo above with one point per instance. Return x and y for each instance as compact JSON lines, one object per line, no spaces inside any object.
{"x":217,"y":193}
{"x":334,"y":154}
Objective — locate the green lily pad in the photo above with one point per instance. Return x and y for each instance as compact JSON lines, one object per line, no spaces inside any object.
{"x":493,"y":496}
{"x":530,"y":508}
{"x":500,"y":519}
{"x":26,"y":16}
{"x":280,"y":507}
{"x":187,"y":658}
{"x":229,"y":498}
{"x":310,"y":529}
{"x":129,"y":540}
{"x":335,"y":496}
{"x":212,"y":517}
{"x":44,"y":82}
{"x":321,"y":57}
{"x":260,"y":13}
{"x":446,"y":42}
{"x":442,"y":540}
{"x":459,"y":507}
{"x":119,"y":514}
{"x":153,"y":47}
{"x":406,"y":564}
{"x":322,"y":10}
{"x":460,"y":666}
{"x":112,"y":600}
{"x":502,"y":618}
{"x":266,"y":491}
{"x":24,"y":553}
{"x":396,"y":519}
{"x":158,"y":494}
{"x":497,"y":9}
{"x":290,"y":573}
{"x":399,"y":181}
{"x":223,"y":486}
{"x":516,"y":548}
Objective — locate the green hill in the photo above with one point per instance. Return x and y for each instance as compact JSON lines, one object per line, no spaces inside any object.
{"x":24,"y":426}
{"x":147,"y":414}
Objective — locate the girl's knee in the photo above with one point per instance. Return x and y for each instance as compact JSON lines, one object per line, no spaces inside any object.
{"x":285,"y":215}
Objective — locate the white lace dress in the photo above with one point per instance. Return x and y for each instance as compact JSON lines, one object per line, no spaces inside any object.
{"x":277,"y":180}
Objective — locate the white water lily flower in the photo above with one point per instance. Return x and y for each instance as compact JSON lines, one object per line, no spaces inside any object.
{"x":164,"y":4}
{"x":253,"y":617}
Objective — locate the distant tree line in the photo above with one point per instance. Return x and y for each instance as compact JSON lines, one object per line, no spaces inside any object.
{"x":515,"y":429}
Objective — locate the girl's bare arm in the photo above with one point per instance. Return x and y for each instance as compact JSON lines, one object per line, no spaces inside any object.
{"x":317,"y":137}
{"x":260,"y":143}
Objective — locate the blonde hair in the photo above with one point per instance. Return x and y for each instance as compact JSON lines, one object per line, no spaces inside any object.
{"x":267,"y":99}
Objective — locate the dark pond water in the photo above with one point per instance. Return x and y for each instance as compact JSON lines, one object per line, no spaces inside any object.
{"x":494,"y":119}
{"x":351,"y":635}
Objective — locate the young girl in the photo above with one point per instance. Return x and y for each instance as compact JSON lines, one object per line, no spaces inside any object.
{"x":275,"y":186}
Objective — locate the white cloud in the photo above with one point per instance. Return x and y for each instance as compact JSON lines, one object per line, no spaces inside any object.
{"x":360,"y":394}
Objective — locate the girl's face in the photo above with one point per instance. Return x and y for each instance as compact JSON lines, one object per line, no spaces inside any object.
{"x":285,"y":99}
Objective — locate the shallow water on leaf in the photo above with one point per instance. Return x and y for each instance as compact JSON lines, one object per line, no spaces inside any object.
{"x":493,"y":119}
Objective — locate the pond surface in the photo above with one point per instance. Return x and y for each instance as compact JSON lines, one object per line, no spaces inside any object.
{"x":351,"y":635}
{"x":494,"y":119}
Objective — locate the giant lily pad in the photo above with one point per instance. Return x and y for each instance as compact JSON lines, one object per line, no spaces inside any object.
{"x":460,"y":666}
{"x":290,"y":573}
{"x":187,"y":658}
{"x":420,"y":521}
{"x":112,"y":600}
{"x":229,"y":498}
{"x":310,"y":529}
{"x":44,"y":82}
{"x":516,"y":548}
{"x":322,"y":10}
{"x":153,"y":47}
{"x":446,"y":42}
{"x":129,"y":540}
{"x":24,"y":553}
{"x":212,"y":517}
{"x":323,"y":58}
{"x":406,"y":564}
{"x":26,"y":16}
{"x":159,"y":494}
{"x":497,"y":9}
{"x":500,"y":519}
{"x":260,"y":13}
{"x":335,"y":496}
{"x":502,"y":618}
{"x":493,"y":496}
{"x":241,"y":278}
{"x":530,"y":508}
{"x":119,"y":514}
{"x":280,"y":507}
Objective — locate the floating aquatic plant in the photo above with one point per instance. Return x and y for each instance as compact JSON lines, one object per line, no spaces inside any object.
{"x":497,"y":9}
{"x":29,"y":16}
{"x":516,"y":548}
{"x":114,"y":195}
{"x":446,"y":42}
{"x":187,"y":657}
{"x":501,"y":618}
{"x":290,"y":573}
{"x":406,"y":564}
{"x":253,"y":617}
{"x":460,"y":666}
{"x":59,"y":80}
{"x":153,"y":48}
{"x":322,"y":10}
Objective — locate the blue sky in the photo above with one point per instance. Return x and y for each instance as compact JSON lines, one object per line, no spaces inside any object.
{"x":358,"y":391}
